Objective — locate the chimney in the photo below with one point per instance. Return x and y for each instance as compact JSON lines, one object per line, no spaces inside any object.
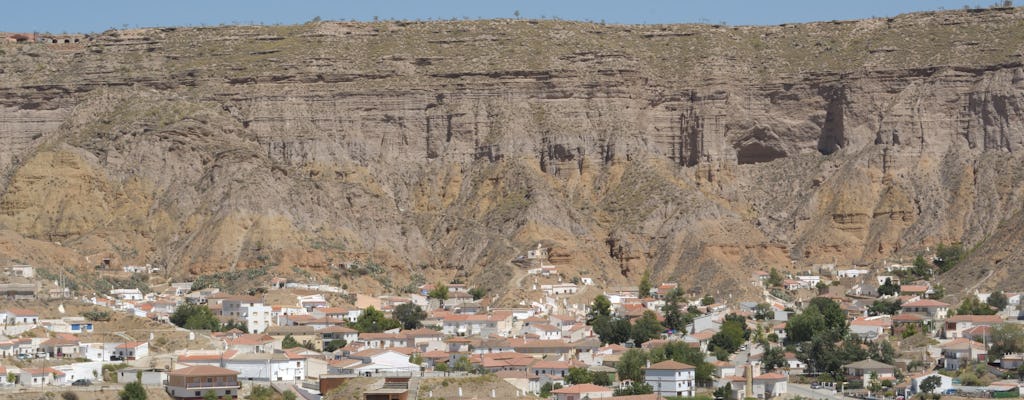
{"x":749,"y":387}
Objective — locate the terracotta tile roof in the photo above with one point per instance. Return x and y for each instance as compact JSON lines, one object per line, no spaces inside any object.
{"x":582,"y":388}
{"x":977,"y":319}
{"x":907,"y":318}
{"x":865,"y":321}
{"x":670,"y":365}
{"x":203,"y":370}
{"x":925,"y":303}
{"x":130,"y":345}
{"x":206,"y":356}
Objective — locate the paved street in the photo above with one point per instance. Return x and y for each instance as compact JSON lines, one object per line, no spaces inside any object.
{"x":806,"y":391}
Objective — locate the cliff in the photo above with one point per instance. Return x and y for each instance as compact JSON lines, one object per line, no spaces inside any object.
{"x":438,"y":149}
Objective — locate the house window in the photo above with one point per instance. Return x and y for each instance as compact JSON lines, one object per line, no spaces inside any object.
{"x":197,"y":393}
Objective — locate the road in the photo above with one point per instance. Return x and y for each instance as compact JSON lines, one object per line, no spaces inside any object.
{"x":806,"y":391}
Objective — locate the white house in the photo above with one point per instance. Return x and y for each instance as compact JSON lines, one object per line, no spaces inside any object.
{"x":671,"y":378}
{"x":851,"y":273}
{"x":248,"y":309}
{"x":132,"y":350}
{"x":127,"y":294}
{"x":20,"y":316}
{"x":267,"y":367}
{"x":379,"y":361}
{"x":945,"y":383}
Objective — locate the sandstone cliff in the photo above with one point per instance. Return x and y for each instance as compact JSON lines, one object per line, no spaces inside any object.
{"x":443,"y":148}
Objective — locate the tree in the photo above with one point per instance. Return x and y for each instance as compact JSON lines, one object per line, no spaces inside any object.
{"x":602,"y":379}
{"x":545,"y":390}
{"x":477,"y":293}
{"x":635,"y":388}
{"x":194,"y":316}
{"x":822,"y":287}
{"x":802,"y":327}
{"x":646,"y":328}
{"x":261,"y":392}
{"x":333,"y":345}
{"x":947,"y":257}
{"x":723,"y":392}
{"x":372,"y":320}
{"x":835,"y":317}
{"x":774,"y":278}
{"x":579,"y":375}
{"x":1006,"y":338}
{"x":763,"y":311}
{"x":600,"y":307}
{"x":210,"y":395}
{"x":921,"y":268}
{"x":930,"y":383}
{"x":462,"y":364}
{"x":631,"y":365}
{"x":874,"y":385}
{"x":707,"y":300}
{"x":439,"y":292}
{"x":972,"y":306}
{"x":675,"y":319}
{"x":730,"y":337}
{"x":773,"y":357}
{"x":410,"y":315}
{"x":132,"y":391}
{"x":888,"y":288}
{"x":998,"y":300}
{"x":612,"y":330}
{"x":289,"y":395}
{"x":516,"y":14}
{"x":645,"y":284}
{"x":884,"y":307}
{"x":289,"y":342}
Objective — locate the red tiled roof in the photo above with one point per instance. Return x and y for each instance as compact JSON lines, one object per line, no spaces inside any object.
{"x":583,"y":388}
{"x":670,"y":365}
{"x":203,"y":370}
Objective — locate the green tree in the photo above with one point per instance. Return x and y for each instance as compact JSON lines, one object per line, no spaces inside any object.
{"x":729,"y":337}
{"x":773,"y":357}
{"x":774,"y":278}
{"x":602,"y":379}
{"x":133,"y":391}
{"x":1006,"y":339}
{"x":439,"y":292}
{"x":261,"y":392}
{"x":723,"y":392}
{"x":763,"y":311}
{"x":410,"y":315}
{"x":372,"y":320}
{"x":947,"y":257}
{"x":646,"y":328}
{"x":289,"y":342}
{"x":600,"y":307}
{"x":888,"y":288}
{"x":631,"y":365}
{"x":635,"y":388}
{"x":579,"y":375}
{"x":195,"y":317}
{"x":547,"y":387}
{"x":289,"y":395}
{"x":998,"y":300}
{"x":333,"y":345}
{"x":921,"y":268}
{"x":972,"y":306}
{"x":477,"y":293}
{"x":835,"y":317}
{"x":884,"y":307}
{"x":675,"y":319}
{"x":210,"y":395}
{"x":938,"y":292}
{"x":707,"y":300}
{"x":611,"y":330}
{"x":645,"y":284}
{"x":930,"y":383}
{"x":462,"y":364}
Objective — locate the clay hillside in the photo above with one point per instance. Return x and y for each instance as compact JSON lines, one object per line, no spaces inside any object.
{"x":423,"y":151}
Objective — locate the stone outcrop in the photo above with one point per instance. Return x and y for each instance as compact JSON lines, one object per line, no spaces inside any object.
{"x":445,"y":148}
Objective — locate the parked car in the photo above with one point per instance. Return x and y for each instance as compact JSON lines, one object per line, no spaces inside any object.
{"x":24,"y":356}
{"x":42,"y":354}
{"x":81,"y":382}
{"x":815,"y":385}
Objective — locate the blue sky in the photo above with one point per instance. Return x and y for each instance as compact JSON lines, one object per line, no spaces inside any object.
{"x":99,"y":15}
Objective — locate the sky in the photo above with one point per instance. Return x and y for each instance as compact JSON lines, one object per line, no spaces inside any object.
{"x":85,"y":16}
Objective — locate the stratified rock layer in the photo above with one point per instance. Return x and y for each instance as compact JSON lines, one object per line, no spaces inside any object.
{"x":701,"y":152}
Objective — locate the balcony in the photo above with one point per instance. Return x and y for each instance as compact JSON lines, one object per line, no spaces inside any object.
{"x":209,"y":385}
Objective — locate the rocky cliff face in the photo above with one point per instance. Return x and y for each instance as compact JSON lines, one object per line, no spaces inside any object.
{"x":701,"y":152}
